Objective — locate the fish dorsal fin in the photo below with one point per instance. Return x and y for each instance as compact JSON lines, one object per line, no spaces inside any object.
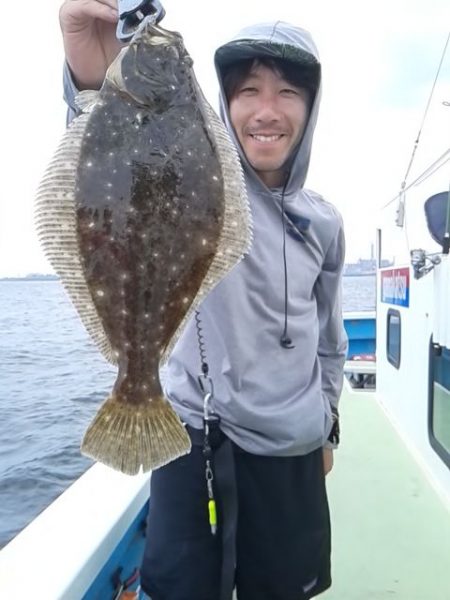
{"x":86,"y":99}
{"x":56,"y":228}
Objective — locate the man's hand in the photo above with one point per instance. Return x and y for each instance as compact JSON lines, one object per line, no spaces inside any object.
{"x":327,"y":460}
{"x":89,"y":35}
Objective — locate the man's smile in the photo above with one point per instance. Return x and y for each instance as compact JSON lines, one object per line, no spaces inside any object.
{"x":262,"y":137}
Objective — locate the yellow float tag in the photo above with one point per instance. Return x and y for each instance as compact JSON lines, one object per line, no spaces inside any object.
{"x":212,"y":515}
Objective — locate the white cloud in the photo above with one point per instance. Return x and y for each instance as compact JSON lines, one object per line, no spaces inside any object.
{"x":365,"y":133}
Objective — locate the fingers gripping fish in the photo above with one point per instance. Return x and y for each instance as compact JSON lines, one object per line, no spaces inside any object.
{"x":142,"y":212}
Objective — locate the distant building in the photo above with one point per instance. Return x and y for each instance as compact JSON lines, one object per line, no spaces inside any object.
{"x":364,"y":266}
{"x":32,"y":277}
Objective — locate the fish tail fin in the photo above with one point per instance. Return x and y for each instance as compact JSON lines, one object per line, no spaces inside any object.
{"x":126,"y":437}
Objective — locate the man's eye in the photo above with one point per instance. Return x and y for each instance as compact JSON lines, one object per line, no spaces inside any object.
{"x":289,"y":92}
{"x":248,"y":90}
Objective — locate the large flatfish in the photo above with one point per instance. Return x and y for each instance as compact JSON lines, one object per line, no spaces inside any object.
{"x":141,"y":212}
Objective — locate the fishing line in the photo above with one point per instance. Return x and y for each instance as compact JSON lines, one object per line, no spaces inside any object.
{"x":416,"y":143}
{"x":201,"y":344}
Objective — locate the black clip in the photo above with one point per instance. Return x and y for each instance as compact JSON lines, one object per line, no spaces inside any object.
{"x":119,"y":585}
{"x":133,"y":12}
{"x":335,"y":432}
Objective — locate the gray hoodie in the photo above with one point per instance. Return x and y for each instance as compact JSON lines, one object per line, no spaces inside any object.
{"x":271,"y":400}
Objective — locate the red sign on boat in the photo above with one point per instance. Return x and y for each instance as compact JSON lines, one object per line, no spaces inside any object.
{"x":395,"y":286}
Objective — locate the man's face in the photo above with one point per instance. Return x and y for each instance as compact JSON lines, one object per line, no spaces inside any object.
{"x":269,"y":116}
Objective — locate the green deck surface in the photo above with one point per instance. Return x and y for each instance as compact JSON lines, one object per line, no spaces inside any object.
{"x":391,"y":532}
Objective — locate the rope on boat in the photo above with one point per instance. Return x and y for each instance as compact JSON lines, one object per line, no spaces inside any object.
{"x":416,"y":143}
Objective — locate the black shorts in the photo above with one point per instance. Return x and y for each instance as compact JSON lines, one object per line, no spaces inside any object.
{"x":281,"y":535}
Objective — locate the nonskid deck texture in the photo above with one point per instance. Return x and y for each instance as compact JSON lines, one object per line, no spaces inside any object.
{"x":391,"y":531}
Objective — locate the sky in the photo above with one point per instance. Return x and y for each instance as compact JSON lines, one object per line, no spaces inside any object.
{"x":379,"y":60}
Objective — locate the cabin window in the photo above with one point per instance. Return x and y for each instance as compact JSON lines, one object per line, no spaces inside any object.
{"x":439,"y":401}
{"x":393,"y":338}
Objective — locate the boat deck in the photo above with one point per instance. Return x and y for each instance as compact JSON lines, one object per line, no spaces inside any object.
{"x":391,"y":531}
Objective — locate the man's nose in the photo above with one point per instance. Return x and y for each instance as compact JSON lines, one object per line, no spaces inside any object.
{"x":267,"y":109}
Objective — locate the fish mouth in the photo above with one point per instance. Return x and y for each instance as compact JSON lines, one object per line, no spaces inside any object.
{"x":159,"y":36}
{"x":154,"y":35}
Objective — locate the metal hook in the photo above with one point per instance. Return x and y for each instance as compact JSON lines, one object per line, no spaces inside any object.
{"x":206,"y":401}
{"x":206,"y":384}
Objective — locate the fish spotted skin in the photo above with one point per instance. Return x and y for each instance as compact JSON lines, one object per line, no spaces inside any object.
{"x":160,"y":216}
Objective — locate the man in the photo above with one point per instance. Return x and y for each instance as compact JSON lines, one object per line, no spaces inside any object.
{"x":271,"y":335}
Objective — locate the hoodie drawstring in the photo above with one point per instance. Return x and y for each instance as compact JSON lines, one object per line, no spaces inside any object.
{"x":285,"y":340}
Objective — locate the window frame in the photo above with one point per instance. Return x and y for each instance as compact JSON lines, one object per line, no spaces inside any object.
{"x":440,"y":450}
{"x":393,"y":312}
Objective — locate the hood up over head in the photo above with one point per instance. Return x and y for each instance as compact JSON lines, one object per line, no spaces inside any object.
{"x":283,"y":41}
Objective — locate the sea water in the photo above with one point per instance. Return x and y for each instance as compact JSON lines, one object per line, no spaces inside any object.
{"x":52,"y":381}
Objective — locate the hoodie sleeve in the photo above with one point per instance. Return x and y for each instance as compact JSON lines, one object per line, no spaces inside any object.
{"x":333,"y":341}
{"x":70,"y":93}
